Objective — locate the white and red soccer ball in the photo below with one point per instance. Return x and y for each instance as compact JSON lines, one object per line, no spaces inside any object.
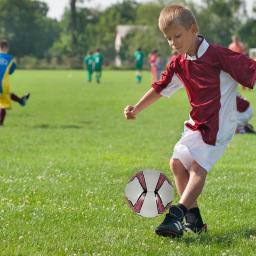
{"x":149,"y":193}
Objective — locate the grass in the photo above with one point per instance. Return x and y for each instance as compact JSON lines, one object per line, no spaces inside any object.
{"x":66,"y":158}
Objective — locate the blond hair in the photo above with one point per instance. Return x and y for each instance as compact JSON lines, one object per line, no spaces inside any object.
{"x":176,"y":14}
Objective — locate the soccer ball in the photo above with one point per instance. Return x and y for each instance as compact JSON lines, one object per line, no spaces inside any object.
{"x":149,"y":193}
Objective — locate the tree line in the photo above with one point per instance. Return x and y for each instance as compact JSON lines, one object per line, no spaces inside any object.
{"x":35,"y":37}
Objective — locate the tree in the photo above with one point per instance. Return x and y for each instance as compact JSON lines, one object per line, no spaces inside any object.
{"x":149,"y":39}
{"x":73,"y":25}
{"x":219,"y":19}
{"x":247,"y":33}
{"x":86,"y":20}
{"x":27,"y":29}
{"x":105,"y":30}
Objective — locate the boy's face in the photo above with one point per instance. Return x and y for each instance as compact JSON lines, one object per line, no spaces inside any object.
{"x":4,"y":49}
{"x":181,"y":39}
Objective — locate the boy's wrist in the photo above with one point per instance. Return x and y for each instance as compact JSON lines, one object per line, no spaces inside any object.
{"x":136,"y":109}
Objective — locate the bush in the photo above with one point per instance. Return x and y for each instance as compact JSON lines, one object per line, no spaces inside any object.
{"x":28,"y":62}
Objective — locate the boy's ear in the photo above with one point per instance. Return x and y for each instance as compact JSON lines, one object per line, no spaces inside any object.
{"x":194,"y":29}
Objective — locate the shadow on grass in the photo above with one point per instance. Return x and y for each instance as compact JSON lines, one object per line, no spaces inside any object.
{"x":224,"y":239}
{"x":47,"y":126}
{"x":71,"y":126}
{"x":87,"y":122}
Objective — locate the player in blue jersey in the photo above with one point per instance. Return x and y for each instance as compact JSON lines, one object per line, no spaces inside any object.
{"x":7,"y":67}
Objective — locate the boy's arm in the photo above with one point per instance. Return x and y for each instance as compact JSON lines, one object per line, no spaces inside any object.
{"x":13,"y":66}
{"x":166,"y":86}
{"x":239,"y":66}
{"x":149,"y":98}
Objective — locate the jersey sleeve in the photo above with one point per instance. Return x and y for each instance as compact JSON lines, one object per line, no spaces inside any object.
{"x":169,"y":82}
{"x":241,"y":104}
{"x":239,"y":66}
{"x":12,"y":68}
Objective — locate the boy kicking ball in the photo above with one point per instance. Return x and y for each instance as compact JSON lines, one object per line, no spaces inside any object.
{"x":7,"y":67}
{"x":210,"y":74}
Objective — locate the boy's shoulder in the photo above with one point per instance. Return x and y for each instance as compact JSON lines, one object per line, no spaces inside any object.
{"x":97,"y":54}
{"x":6,"y":55}
{"x":224,"y":54}
{"x":176,"y":60}
{"x":177,"y":57}
{"x":218,"y":49}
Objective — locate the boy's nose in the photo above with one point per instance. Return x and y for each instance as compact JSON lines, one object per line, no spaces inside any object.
{"x":174,"y":45}
{"x":171,"y":43}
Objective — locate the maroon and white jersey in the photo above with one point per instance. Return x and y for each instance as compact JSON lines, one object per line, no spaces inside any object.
{"x":242,"y":104}
{"x":210,"y":79}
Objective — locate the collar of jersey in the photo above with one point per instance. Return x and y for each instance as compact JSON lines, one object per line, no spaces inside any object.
{"x":202,"y":48}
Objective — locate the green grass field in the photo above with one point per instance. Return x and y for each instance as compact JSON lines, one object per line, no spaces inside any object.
{"x":66,"y":158}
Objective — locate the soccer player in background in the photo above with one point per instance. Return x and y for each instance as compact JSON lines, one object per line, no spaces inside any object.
{"x":244,"y":114}
{"x":139,"y":57}
{"x":237,"y":46}
{"x":210,"y":75}
{"x":159,"y":66}
{"x":98,"y":63}
{"x":7,"y":67}
{"x":153,"y":65}
{"x":88,"y":62}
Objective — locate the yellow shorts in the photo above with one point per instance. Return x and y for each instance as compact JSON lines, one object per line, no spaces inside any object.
{"x":5,"y":99}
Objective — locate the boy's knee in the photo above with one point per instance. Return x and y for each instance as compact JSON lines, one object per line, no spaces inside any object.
{"x":197,"y":169}
{"x":176,"y":166}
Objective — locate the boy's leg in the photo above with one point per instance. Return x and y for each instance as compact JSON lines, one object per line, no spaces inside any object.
{"x":89,"y":76}
{"x":154,"y":74}
{"x":98,"y":76}
{"x":197,"y":176}
{"x":181,"y":177}
{"x":189,"y":185}
{"x":2,"y":116}
{"x":159,"y":72}
{"x":194,"y":222}
{"x":138,"y":76}
{"x":22,"y":101}
{"x":15,"y":97}
{"x":173,"y":223}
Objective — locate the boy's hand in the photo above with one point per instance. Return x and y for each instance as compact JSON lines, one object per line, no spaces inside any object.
{"x":129,"y":112}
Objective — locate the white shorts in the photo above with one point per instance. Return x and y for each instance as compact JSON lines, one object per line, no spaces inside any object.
{"x":244,"y":117}
{"x":191,"y":147}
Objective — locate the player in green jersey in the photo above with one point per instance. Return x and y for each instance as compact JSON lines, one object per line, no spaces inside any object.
{"x":98,"y":63}
{"x":139,"y":56}
{"x":89,"y":61}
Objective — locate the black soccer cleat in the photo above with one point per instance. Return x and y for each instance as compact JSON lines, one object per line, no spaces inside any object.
{"x":249,"y":128}
{"x":194,"y":228}
{"x":172,"y":225}
{"x":24,"y":99}
{"x":194,"y":222}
